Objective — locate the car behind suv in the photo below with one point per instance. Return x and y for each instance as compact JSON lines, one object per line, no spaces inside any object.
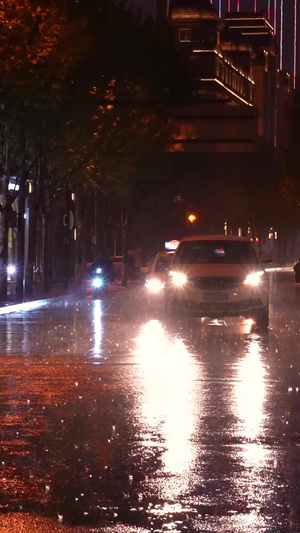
{"x":155,"y":282}
{"x":218,"y":276}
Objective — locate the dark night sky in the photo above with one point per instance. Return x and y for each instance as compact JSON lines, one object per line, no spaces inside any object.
{"x":149,"y":8}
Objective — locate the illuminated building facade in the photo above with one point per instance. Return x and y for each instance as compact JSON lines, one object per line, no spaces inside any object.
{"x":221,"y":117}
{"x":233,"y":74}
{"x":256,"y":28}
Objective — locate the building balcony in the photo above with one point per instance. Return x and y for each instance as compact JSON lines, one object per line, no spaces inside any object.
{"x":215,"y":77}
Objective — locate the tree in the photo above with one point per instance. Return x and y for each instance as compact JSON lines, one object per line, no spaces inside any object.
{"x":38,"y":50}
{"x":80,"y":104}
{"x":122,"y":116}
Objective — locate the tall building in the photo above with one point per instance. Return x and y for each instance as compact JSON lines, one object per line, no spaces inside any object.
{"x":232,"y":65}
{"x":256,"y":28}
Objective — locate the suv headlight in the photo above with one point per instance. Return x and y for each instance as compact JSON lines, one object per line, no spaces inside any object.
{"x":254,"y":279}
{"x":178,"y":278}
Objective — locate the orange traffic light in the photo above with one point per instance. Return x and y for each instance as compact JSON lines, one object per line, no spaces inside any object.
{"x":192,"y":218}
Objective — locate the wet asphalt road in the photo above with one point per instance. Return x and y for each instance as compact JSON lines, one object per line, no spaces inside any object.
{"x":115,"y":420}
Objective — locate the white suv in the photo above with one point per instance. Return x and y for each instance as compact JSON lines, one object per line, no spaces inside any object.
{"x":218,"y":276}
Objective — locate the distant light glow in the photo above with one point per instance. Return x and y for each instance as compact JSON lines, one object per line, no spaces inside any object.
{"x":11,"y":269}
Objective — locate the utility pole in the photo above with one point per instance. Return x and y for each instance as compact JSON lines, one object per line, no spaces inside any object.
{"x":66,"y":222}
{"x":21,"y":235}
{"x":4,"y":222}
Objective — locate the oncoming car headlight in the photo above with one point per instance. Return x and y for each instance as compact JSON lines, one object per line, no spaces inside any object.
{"x":154,"y":285}
{"x":254,"y":279}
{"x":178,"y":278}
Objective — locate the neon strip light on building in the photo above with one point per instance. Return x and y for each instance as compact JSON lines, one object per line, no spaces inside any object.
{"x":269,"y":9}
{"x":220,"y":8}
{"x":255,"y":6}
{"x":251,"y":18}
{"x":281,"y":35}
{"x":227,"y":89}
{"x":295,"y":44}
{"x":228,"y":6}
{"x":275,"y":17}
{"x":238,"y":6}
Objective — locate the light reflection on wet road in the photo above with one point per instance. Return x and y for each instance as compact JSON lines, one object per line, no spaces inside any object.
{"x":115,"y":420}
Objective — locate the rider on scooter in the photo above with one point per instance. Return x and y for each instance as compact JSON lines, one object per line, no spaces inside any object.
{"x":107,"y":269}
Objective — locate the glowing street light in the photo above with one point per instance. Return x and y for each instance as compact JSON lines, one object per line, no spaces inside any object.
{"x":192,"y":218}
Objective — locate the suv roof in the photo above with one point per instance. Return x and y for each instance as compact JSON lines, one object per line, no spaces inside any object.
{"x":215,"y":238}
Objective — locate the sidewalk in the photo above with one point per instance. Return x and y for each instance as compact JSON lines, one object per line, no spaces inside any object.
{"x":40,"y":297}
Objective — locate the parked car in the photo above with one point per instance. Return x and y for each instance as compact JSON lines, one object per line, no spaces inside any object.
{"x":218,"y":276}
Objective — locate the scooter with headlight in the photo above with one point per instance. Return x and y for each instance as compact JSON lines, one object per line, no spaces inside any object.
{"x":99,"y":283}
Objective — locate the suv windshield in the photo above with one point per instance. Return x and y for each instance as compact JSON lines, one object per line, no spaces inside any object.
{"x":191,"y":252}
